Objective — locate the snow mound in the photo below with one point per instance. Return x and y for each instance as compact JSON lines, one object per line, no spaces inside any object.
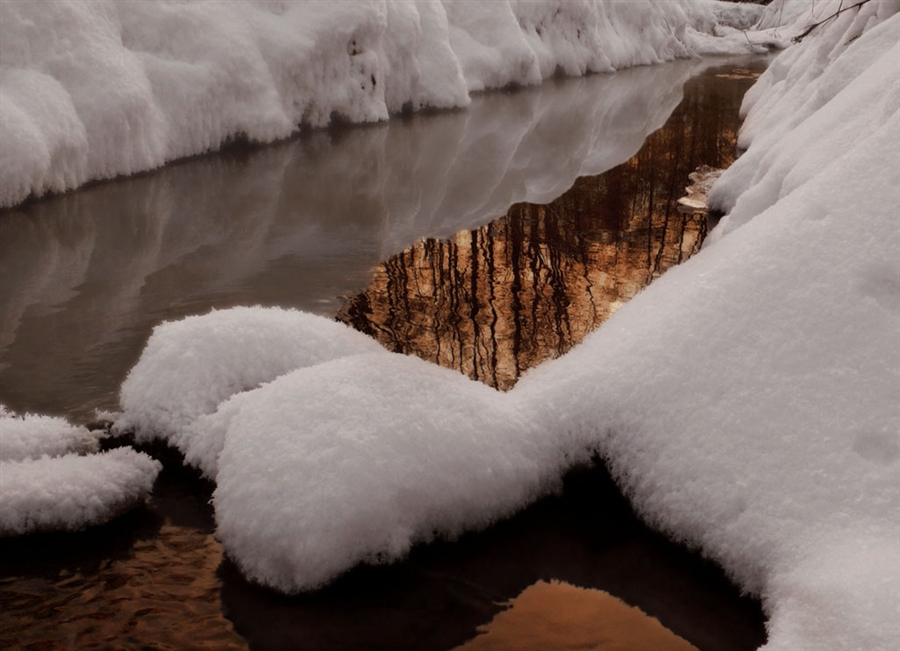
{"x":32,"y":436}
{"x":215,"y":356}
{"x":71,"y":492}
{"x":92,"y":90}
{"x":362,"y":457}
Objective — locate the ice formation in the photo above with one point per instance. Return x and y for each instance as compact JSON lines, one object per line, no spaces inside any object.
{"x":92,"y":90}
{"x":47,"y":483}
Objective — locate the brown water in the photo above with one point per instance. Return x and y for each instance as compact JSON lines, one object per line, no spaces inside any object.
{"x":85,"y":276}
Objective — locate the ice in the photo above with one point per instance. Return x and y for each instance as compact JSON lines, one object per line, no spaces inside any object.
{"x":95,"y":90}
{"x":34,"y":435}
{"x":71,"y":492}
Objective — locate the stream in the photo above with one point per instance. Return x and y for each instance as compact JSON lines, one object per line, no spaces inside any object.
{"x":486,"y":240}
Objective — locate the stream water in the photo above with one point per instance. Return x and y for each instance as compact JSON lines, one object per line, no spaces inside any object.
{"x":388,"y":228}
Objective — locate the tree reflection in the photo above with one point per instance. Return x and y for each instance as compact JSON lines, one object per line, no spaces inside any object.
{"x":495,"y":301}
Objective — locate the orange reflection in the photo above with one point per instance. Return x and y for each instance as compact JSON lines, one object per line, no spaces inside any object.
{"x":166,"y":591}
{"x":495,"y":301}
{"x":561,"y":616}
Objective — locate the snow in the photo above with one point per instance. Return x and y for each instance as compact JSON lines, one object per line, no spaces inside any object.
{"x":216,"y":356}
{"x":93,"y":90}
{"x":52,"y":480}
{"x":71,"y":492}
{"x":32,"y":435}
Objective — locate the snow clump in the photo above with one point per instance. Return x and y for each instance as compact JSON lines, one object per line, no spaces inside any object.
{"x":51,"y":478}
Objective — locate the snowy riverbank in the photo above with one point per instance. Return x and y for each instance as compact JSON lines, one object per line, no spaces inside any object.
{"x":746,"y":401}
{"x":93,"y":90}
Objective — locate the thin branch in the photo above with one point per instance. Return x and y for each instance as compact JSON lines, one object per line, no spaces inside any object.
{"x":841,"y":9}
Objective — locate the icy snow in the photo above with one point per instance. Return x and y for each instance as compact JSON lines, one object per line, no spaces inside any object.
{"x":92,"y":90}
{"x":47,"y":485}
{"x":746,"y":402}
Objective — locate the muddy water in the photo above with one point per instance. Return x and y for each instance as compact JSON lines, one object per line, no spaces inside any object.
{"x":324,"y":223}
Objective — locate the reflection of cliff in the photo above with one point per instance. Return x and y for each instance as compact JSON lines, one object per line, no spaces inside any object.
{"x":497,"y":300}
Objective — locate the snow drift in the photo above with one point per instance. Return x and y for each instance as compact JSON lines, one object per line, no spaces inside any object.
{"x":47,"y":483}
{"x":92,"y":90}
{"x":746,"y":402}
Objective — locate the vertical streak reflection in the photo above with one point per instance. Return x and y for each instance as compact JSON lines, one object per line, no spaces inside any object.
{"x":497,"y":300}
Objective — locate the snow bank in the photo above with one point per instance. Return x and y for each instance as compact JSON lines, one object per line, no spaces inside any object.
{"x":71,"y":492}
{"x":92,"y":90}
{"x":31,"y":436}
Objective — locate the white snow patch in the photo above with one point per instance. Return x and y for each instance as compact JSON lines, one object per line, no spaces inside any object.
{"x":71,"y":492}
{"x":47,"y":485}
{"x":33,"y":435}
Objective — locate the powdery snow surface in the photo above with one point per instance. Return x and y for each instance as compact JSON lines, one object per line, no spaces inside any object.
{"x":214,"y":357}
{"x":47,"y":485}
{"x":31,"y":436}
{"x":92,"y":90}
{"x":71,"y":492}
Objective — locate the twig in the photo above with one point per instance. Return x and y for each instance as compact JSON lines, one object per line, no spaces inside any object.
{"x":841,"y":9}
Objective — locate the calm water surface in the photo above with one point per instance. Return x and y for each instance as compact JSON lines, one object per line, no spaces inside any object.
{"x":388,"y":228}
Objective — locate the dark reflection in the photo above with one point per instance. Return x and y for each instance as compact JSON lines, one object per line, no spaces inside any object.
{"x":147,"y":579}
{"x":434,"y":600}
{"x":495,"y":301}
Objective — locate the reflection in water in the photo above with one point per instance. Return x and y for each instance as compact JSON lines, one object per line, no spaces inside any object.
{"x":495,"y":301}
{"x":564,"y":617}
{"x":140,"y":582}
{"x":85,"y":276}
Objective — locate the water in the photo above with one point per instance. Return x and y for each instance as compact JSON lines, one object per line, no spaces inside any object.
{"x":334,"y":222}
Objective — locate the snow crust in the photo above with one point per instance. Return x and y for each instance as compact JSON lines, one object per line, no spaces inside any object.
{"x":92,"y":90}
{"x":51,"y":480}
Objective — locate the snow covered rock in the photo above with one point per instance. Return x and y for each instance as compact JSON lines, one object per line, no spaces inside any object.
{"x":191,"y":366}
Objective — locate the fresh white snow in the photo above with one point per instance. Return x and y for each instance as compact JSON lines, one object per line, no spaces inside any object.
{"x":70,"y":492}
{"x":32,"y":435}
{"x":52,"y":480}
{"x":92,"y":90}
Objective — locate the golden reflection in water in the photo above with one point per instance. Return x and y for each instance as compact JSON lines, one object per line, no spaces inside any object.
{"x":495,"y":301}
{"x":165,"y":596}
{"x":561,"y":616}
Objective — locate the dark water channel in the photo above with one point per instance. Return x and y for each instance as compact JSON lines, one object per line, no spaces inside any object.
{"x":387,"y":228}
